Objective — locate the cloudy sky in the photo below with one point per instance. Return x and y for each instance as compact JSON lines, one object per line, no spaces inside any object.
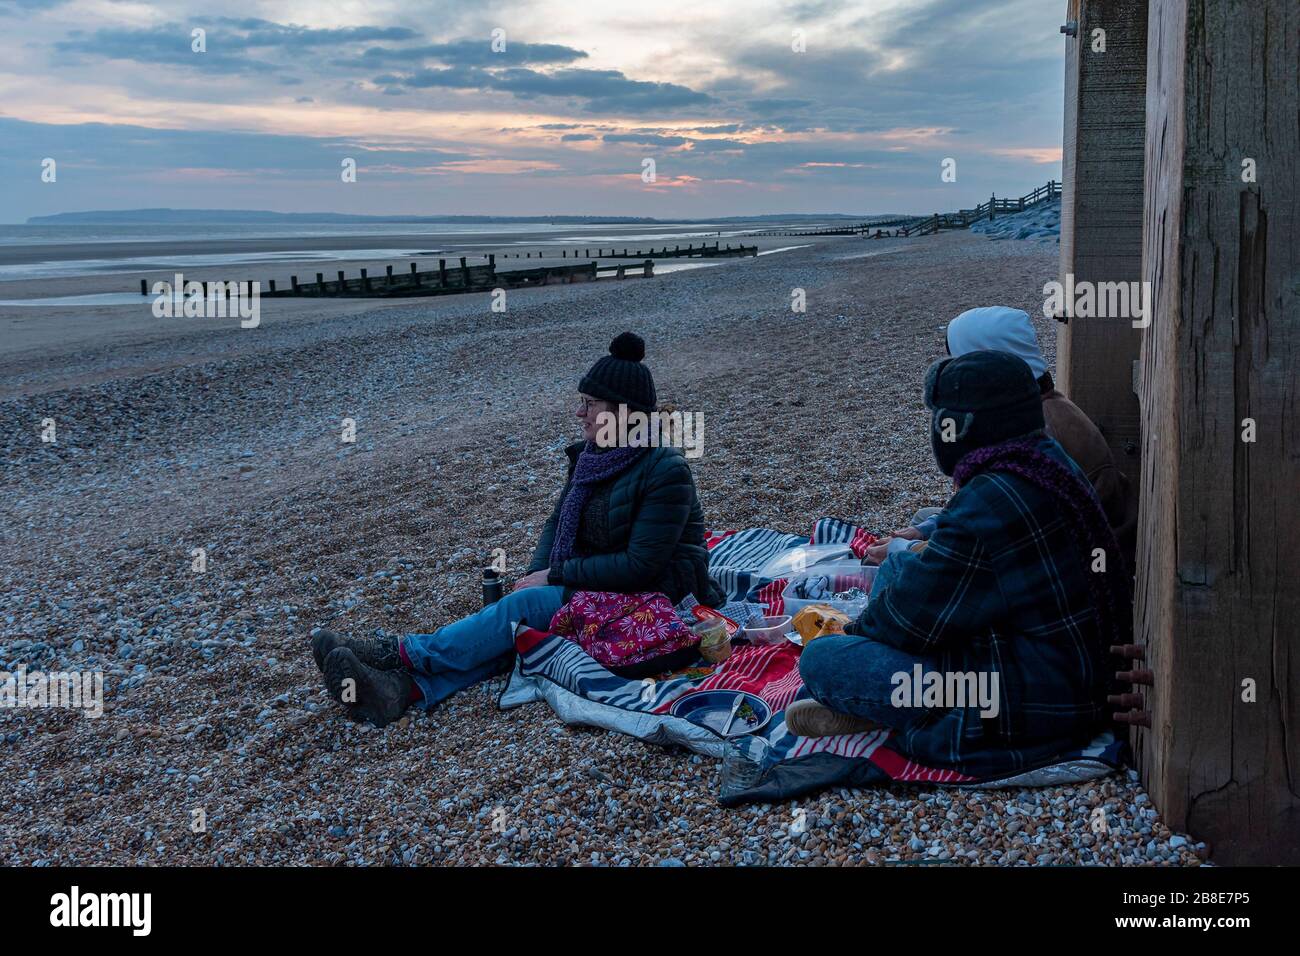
{"x":558,"y":122}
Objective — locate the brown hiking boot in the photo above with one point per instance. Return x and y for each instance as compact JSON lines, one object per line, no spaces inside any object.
{"x":377,"y":652}
{"x":365,"y":692}
{"x":809,"y":718}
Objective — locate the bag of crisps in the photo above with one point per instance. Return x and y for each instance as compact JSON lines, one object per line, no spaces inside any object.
{"x":816,"y":620}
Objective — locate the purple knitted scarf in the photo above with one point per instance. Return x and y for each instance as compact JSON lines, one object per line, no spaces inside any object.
{"x":1084,"y":517}
{"x":592,"y":468}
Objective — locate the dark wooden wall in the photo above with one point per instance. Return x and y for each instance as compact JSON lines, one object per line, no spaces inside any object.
{"x":1101,"y":212}
{"x":1219,"y":547}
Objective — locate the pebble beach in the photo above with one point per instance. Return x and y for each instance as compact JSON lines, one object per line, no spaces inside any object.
{"x":228,"y":440}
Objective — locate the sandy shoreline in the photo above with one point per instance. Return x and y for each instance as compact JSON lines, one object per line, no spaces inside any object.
{"x":226,"y":440}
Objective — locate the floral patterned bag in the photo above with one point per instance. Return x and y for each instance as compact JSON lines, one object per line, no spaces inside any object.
{"x":618,"y":630}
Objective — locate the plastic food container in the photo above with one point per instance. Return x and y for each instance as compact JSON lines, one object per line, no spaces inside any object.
{"x":715,"y":645}
{"x":843,"y":577}
{"x":772,"y":631}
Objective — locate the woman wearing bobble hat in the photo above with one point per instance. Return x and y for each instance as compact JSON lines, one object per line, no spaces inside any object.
{"x":628,"y":520}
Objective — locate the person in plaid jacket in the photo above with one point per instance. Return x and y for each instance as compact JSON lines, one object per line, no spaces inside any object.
{"x":1020,"y":592}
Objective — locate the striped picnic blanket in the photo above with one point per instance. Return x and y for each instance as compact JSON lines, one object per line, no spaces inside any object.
{"x":771,"y":764}
{"x":736,"y":556}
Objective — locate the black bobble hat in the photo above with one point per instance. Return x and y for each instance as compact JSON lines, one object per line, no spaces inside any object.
{"x":979,"y":399}
{"x":620,"y":377}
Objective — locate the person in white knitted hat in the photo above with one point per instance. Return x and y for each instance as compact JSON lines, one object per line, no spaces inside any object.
{"x":1002,"y":329}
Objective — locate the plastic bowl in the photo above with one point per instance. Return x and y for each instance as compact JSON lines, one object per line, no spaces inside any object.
{"x":773,"y":630}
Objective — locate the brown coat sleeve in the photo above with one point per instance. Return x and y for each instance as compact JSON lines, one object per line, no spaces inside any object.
{"x":1083,"y":442}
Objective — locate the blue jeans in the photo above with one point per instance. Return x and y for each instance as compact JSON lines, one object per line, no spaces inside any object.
{"x":854,"y":675}
{"x":476,"y":647}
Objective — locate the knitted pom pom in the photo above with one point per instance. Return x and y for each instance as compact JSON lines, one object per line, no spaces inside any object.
{"x":628,"y":345}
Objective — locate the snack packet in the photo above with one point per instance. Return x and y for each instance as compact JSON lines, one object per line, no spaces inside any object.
{"x":817,"y":620}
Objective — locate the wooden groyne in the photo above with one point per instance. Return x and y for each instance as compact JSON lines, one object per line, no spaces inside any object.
{"x":447,"y":280}
{"x":854,"y":230}
{"x":703,"y":251}
{"x":924,"y":226}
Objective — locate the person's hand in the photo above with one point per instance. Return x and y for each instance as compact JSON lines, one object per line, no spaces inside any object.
{"x":535,"y":580}
{"x":876,"y":552}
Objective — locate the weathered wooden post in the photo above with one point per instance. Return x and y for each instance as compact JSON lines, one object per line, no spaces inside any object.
{"x":365,"y":281}
{"x":343,"y":283}
{"x":293,"y":281}
{"x":1101,"y":212}
{"x":144,"y":286}
{"x":492,"y":259}
{"x":442,"y":273}
{"x":649,"y":269}
{"x":464,"y":273}
{"x":1217,"y":602}
{"x":271,"y":285}
{"x":388,"y":277}
{"x":320,"y":283}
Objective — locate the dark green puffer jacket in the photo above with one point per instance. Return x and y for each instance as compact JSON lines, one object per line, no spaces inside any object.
{"x":642,"y":530}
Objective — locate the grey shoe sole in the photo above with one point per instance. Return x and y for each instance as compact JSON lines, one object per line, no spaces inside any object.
{"x":808,"y":718}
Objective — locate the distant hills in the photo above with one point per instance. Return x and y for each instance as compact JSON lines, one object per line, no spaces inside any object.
{"x":174,"y":216}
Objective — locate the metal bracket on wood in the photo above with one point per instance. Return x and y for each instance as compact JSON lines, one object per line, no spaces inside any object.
{"x":1070,"y":28}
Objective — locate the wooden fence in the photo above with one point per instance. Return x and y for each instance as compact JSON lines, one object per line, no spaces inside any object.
{"x":965,"y":218}
{"x":918,"y":226}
